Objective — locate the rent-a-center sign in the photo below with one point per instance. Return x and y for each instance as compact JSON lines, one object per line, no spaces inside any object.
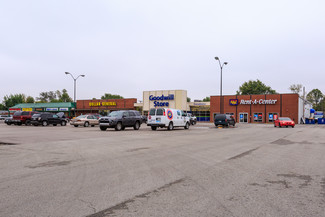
{"x":253,"y":102}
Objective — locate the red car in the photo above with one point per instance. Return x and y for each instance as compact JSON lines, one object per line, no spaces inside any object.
{"x":284,"y":122}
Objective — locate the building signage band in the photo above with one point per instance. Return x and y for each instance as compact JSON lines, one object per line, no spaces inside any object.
{"x":27,"y":109}
{"x":102,"y":104}
{"x":64,"y":109}
{"x":161,"y":98}
{"x":260,"y":101}
{"x":52,"y":109}
{"x":14,"y":109}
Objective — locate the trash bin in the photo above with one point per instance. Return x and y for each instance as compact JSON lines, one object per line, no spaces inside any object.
{"x":310,"y":121}
{"x":321,"y":120}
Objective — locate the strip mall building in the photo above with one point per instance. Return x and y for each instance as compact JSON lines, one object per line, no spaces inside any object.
{"x":260,"y":108}
{"x":245,"y":108}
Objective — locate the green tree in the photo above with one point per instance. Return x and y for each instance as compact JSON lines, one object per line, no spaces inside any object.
{"x":13,"y":99}
{"x":54,"y":96}
{"x":188,"y":99}
{"x":64,"y":96}
{"x":254,"y":87}
{"x":2,"y":107}
{"x":206,"y":99}
{"x":315,"y":96}
{"x":295,"y":88}
{"x":30,"y":99}
{"x":111,"y":96}
{"x":321,"y":105}
{"x":46,"y":96}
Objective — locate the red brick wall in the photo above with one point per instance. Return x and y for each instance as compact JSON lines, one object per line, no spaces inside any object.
{"x":287,"y":107}
{"x":290,"y":106}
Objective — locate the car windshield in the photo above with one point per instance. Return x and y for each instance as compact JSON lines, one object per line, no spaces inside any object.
{"x":36,"y":115}
{"x":82,"y":116}
{"x":115,"y":114}
{"x":17,"y":114}
{"x":284,"y":119}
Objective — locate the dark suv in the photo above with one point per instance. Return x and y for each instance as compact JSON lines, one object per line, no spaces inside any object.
{"x":45,"y":119}
{"x":20,"y":118}
{"x":121,"y":119}
{"x":224,"y":120}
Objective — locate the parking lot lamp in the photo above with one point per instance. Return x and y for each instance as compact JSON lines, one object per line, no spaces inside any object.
{"x":221,"y":66}
{"x":75,"y":81}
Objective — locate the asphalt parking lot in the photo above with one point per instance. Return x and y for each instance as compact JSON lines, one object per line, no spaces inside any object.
{"x":249,"y":170}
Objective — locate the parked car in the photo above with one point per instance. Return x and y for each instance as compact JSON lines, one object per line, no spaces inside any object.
{"x":192,"y":118}
{"x":2,"y":117}
{"x":23,"y":117}
{"x":96,"y":115}
{"x":84,"y":120}
{"x":170,"y":118}
{"x":284,"y":122}
{"x":8,"y":120}
{"x":121,"y":119}
{"x":224,"y":120}
{"x":46,"y":118}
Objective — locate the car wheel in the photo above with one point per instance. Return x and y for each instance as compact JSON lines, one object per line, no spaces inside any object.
{"x":118,"y":126}
{"x":54,"y":124}
{"x":286,"y":126}
{"x":170,"y":126}
{"x":27,"y":123}
{"x":44,"y":123}
{"x":153,"y":128}
{"x":103,"y":128}
{"x":19,"y":124}
{"x":9,"y":124}
{"x":63,"y":123}
{"x":123,"y":128}
{"x":136,"y":126}
{"x":293,"y":126}
{"x":86,"y":124}
{"x":76,"y":125}
{"x":187,"y":125}
{"x":274,"y":125}
{"x":280,"y":126}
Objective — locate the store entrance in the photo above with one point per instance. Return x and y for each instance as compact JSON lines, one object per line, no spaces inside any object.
{"x":243,"y":117}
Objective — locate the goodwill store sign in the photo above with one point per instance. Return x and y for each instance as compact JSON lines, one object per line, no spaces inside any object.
{"x":253,"y":102}
{"x":156,"y":99}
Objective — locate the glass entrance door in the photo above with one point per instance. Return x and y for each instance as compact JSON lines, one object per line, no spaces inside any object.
{"x":243,"y":117}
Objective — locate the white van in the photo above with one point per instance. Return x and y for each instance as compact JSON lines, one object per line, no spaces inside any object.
{"x":166,"y":117}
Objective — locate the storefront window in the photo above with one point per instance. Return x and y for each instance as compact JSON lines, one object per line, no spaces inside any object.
{"x":273,"y":116}
{"x":258,"y":117}
{"x":202,"y":115}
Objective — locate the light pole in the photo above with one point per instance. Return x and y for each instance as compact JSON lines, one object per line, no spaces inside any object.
{"x":221,"y":66}
{"x":75,"y":81}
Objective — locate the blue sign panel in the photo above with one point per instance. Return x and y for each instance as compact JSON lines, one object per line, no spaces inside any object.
{"x":233,"y":101}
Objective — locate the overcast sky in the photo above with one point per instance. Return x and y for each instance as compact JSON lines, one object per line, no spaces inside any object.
{"x":127,"y":46}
